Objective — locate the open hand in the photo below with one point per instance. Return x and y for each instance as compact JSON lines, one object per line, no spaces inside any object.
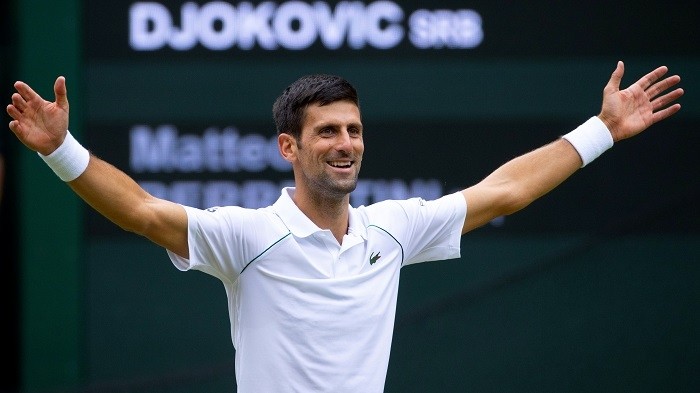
{"x":632,"y":110}
{"x":39,"y":124}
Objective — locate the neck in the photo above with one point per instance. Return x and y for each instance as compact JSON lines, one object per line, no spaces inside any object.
{"x":326,"y":212}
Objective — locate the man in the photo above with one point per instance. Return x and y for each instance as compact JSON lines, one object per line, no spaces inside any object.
{"x":312,"y":282}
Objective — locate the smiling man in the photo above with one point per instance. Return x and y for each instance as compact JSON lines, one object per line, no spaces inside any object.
{"x":312,"y":282}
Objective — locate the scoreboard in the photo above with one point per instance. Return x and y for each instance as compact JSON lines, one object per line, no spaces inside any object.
{"x":473,"y":29}
{"x":180,"y":93}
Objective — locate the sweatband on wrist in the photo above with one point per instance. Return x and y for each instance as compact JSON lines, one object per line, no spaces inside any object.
{"x":69,"y":160}
{"x":590,"y":139}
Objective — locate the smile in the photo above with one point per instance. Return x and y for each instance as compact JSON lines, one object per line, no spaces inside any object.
{"x":340,"y":164}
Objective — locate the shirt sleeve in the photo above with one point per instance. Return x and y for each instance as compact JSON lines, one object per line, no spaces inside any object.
{"x":219,"y":240}
{"x":427,"y":230}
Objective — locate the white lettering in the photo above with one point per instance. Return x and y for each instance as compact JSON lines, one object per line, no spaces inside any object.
{"x":335,"y":27}
{"x":370,"y":191}
{"x":152,"y":151}
{"x":210,"y":16}
{"x":460,"y":29}
{"x":254,"y":25}
{"x":149,"y":26}
{"x":164,"y":150}
{"x":294,"y":25}
{"x":378,"y":13}
{"x":297,"y":25}
{"x":251,"y":194}
{"x":184,"y":38}
{"x":254,"y":194}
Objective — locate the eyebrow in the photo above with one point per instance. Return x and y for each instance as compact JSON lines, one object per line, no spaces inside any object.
{"x":334,"y":124}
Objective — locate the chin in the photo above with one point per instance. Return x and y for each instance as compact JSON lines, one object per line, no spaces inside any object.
{"x":342,"y":189}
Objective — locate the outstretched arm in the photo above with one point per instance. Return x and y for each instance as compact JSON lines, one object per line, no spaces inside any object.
{"x":522,"y":180}
{"x":42,"y":126}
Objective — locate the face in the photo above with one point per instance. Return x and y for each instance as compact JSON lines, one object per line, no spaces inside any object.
{"x":327,"y":157}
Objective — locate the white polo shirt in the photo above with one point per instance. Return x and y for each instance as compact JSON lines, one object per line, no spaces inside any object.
{"x":308,"y":314}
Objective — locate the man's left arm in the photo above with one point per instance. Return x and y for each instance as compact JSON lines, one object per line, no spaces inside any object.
{"x":624,"y":113}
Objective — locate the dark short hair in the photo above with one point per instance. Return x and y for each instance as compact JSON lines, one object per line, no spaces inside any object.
{"x":290,"y":107}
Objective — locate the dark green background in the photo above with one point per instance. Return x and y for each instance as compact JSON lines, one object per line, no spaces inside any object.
{"x":592,"y":288}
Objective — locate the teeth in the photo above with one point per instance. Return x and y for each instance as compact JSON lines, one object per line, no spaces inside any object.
{"x":340,"y":164}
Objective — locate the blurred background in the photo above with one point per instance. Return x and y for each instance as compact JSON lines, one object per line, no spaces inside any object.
{"x":591,"y":288}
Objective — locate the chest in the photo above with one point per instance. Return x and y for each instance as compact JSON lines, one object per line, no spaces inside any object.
{"x":321,"y":256}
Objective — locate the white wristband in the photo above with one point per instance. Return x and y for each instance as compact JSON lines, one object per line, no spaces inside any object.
{"x":590,"y":139}
{"x":69,"y":160}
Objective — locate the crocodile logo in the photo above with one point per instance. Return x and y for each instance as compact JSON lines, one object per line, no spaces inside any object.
{"x":373,"y":257}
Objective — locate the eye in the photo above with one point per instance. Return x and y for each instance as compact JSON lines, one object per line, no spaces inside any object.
{"x":326,"y":131}
{"x":355,"y":131}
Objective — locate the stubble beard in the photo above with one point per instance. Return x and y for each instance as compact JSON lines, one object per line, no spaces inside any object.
{"x":335,"y":188}
{"x":326,"y":187}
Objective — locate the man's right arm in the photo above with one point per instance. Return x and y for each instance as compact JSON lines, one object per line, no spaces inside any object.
{"x":42,"y":126}
{"x":121,"y":200}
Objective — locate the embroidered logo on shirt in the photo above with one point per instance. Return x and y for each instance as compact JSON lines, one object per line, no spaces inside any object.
{"x":373,"y":257}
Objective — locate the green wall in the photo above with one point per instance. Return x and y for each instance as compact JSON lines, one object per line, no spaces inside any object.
{"x":51,"y":282}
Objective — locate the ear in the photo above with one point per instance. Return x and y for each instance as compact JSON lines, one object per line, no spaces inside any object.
{"x":287,"y":145}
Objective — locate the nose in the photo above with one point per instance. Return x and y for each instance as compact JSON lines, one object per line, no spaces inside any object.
{"x":344,"y":141}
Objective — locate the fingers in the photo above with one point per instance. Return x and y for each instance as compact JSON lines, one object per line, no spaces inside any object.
{"x":61,"y":92}
{"x":26,"y":92}
{"x":650,"y":78}
{"x":666,"y":112}
{"x":13,"y":111}
{"x":16,"y":108}
{"x":615,"y":79}
{"x":666,"y":99}
{"x":15,"y":114}
{"x":13,"y":126}
{"x":19,"y":102}
{"x":654,"y":89}
{"x":663,"y":85}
